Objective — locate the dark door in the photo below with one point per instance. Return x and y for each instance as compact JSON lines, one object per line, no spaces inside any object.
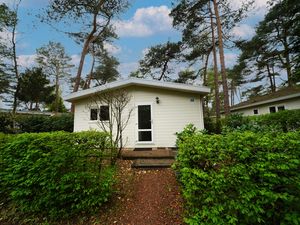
{"x":144,"y":123}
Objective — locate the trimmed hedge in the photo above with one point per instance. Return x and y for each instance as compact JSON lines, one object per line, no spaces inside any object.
{"x":56,"y":174}
{"x":283,"y":121}
{"x":36,"y":123}
{"x":240,"y":177}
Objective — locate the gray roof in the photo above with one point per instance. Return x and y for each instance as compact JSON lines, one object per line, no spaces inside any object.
{"x":280,"y":95}
{"x":202,"y":90}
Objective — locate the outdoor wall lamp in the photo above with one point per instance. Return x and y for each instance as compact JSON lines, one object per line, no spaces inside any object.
{"x":157,"y":100}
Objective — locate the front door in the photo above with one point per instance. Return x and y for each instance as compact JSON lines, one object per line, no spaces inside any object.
{"x":144,"y":123}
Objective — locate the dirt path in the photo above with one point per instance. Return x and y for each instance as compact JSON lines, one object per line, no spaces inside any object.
{"x":145,"y":197}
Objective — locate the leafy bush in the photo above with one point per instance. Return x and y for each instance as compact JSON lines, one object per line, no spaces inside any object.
{"x":210,"y":125}
{"x":36,"y":124}
{"x":57,"y":174}
{"x":241,"y":177}
{"x":6,"y":123}
{"x":283,"y":121}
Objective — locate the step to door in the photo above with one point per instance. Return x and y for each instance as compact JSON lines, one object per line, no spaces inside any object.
{"x":152,"y":163}
{"x":154,"y":154}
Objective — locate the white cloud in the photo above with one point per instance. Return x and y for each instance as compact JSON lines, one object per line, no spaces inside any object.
{"x":26,"y":3}
{"x":5,"y":37}
{"x":145,"y":22}
{"x":259,"y":6}
{"x":26,"y":61}
{"x":230,"y":59}
{"x":5,"y":1}
{"x":125,"y":68}
{"x":145,"y":51}
{"x":244,"y":31}
{"x":112,"y":49}
{"x":75,"y":59}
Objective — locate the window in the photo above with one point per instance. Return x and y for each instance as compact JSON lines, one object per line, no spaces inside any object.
{"x":93,"y":115}
{"x":272,"y":109}
{"x":280,"y":108}
{"x":104,"y":113}
{"x":255,"y":111}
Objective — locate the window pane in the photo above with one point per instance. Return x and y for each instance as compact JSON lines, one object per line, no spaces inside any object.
{"x":272,"y":109}
{"x":281,"y":108}
{"x":104,"y":112}
{"x":93,"y":115}
{"x":255,"y":111}
{"x":144,"y":117}
{"x":145,"y":136}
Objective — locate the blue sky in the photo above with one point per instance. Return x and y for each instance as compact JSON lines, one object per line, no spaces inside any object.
{"x":144,"y":24}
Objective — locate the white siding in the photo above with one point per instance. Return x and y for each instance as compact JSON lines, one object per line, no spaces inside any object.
{"x":174,"y":111}
{"x":264,"y":109}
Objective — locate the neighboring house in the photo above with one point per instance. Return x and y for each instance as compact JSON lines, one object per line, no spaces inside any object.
{"x":287,"y":98}
{"x":159,"y":110}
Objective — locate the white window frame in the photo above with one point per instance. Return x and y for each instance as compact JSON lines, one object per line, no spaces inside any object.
{"x":137,"y":124}
{"x":274,"y":107}
{"x":281,"y":106}
{"x":98,"y":113}
{"x":109,"y":110}
{"x":257,"y":112}
{"x":90,"y":112}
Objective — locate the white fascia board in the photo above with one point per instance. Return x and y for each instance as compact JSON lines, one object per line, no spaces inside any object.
{"x":267,"y":101}
{"x":139,"y":82}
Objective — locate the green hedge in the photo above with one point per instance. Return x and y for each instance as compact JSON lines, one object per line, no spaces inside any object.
{"x":36,"y":123}
{"x":283,"y":121}
{"x":240,"y":177}
{"x":56,"y":174}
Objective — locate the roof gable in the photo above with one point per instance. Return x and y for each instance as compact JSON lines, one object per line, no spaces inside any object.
{"x":138,"y":82}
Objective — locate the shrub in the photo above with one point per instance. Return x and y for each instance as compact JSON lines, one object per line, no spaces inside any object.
{"x":210,"y":125}
{"x":6,"y":123}
{"x":283,"y":121}
{"x":57,"y":174}
{"x":241,"y":178}
{"x":35,"y":123}
{"x":38,"y":123}
{"x":288,"y":120}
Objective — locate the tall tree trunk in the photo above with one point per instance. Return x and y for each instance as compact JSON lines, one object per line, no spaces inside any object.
{"x":270,"y":76}
{"x":222,"y":60}
{"x":205,"y":100}
{"x":90,"y":76}
{"x":216,"y":75}
{"x":16,"y":71}
{"x":231,"y":94}
{"x":56,"y":90}
{"x":287,"y":60}
{"x":205,"y":69}
{"x":90,"y":38}
{"x":273,"y":77}
{"x":165,"y":67}
{"x":82,"y":58}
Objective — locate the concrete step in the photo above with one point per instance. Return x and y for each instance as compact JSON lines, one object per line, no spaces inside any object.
{"x":152,"y":154}
{"x":152,"y":163}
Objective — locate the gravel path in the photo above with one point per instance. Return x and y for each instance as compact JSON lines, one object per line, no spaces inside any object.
{"x":145,"y":197}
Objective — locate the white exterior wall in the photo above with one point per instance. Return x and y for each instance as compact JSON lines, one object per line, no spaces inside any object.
{"x":264,"y":109}
{"x":171,"y":115}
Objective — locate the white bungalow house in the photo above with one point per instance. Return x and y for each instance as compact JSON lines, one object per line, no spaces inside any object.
{"x":157,"y":110}
{"x":284,"y":99}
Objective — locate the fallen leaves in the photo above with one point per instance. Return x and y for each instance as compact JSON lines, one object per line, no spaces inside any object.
{"x":145,"y":196}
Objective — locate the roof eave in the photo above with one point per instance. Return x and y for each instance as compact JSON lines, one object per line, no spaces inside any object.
{"x":266,"y":102}
{"x":202,"y":90}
